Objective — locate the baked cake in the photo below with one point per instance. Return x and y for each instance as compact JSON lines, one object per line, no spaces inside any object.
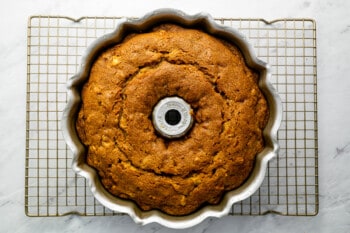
{"x":176,"y":176}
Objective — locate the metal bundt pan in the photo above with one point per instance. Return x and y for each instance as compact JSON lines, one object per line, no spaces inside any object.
{"x":207,"y":24}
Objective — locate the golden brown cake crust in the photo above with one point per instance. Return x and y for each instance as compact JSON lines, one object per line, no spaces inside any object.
{"x":133,"y":161}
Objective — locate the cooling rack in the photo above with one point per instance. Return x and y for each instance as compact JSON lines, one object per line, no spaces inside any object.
{"x":55,"y":46}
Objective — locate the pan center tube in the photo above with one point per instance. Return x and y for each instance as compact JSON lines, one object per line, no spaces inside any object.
{"x":172,"y":117}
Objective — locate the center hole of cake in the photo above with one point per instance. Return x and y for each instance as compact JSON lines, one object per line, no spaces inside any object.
{"x":173,"y":117}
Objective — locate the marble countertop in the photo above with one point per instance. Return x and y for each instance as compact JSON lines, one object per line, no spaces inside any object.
{"x":333,"y":56}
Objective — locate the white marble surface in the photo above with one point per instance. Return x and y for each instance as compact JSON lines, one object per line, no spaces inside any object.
{"x":333,"y":51}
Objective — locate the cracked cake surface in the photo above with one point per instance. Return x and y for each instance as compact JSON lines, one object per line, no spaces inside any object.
{"x":176,"y":176}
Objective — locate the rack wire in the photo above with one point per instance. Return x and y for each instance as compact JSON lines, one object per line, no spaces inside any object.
{"x":55,"y":46}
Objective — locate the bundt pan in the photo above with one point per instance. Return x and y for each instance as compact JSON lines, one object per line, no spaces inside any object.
{"x":208,"y":25}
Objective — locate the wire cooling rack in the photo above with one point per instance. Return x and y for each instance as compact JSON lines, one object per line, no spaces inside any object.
{"x":55,"y":46}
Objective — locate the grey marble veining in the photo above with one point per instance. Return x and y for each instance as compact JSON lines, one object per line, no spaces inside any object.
{"x":333,"y":54}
